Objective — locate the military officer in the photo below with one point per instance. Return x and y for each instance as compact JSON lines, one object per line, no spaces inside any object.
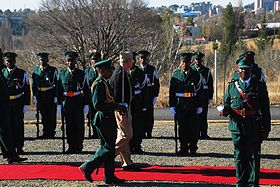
{"x":19,"y":98}
{"x":256,"y":70}
{"x":105,"y":123}
{"x":185,"y":101}
{"x":246,"y":103}
{"x":208,"y":91}
{"x":44,"y":84}
{"x":6,"y":143}
{"x":153,"y":86}
{"x":73,"y":99}
{"x":91,"y":76}
{"x":138,"y":105}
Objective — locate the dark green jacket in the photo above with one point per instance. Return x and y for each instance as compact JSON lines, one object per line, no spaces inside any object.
{"x":91,"y":75}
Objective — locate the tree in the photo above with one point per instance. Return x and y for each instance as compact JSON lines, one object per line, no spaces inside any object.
{"x":6,"y":35}
{"x":262,"y":41}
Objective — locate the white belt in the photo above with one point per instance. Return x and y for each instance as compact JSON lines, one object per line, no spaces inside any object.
{"x":186,"y":94}
{"x":11,"y":97}
{"x":72,"y":94}
{"x":43,"y":89}
{"x":137,"y":92}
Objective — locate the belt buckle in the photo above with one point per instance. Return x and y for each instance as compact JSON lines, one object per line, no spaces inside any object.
{"x":70,"y":94}
{"x":187,"y":94}
{"x":43,"y":89}
{"x":243,"y":112}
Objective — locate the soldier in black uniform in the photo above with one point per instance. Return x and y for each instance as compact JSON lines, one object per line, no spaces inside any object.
{"x":72,"y":95}
{"x":186,"y":101}
{"x":44,"y":84}
{"x":91,"y":76}
{"x":105,"y":123}
{"x":138,"y":106}
{"x":246,"y":103}
{"x":19,"y":98}
{"x":153,"y":86}
{"x":208,"y":91}
{"x":6,"y":143}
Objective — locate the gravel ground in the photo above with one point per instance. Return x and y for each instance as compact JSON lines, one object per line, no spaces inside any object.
{"x":158,"y":151}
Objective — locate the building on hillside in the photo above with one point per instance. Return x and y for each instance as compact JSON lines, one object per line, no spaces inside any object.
{"x":265,"y":5}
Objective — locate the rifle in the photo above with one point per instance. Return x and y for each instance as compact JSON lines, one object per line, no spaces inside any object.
{"x":176,"y":133}
{"x":37,"y":118}
{"x":63,"y":129}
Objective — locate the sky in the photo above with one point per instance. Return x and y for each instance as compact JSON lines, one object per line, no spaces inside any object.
{"x":34,"y":4}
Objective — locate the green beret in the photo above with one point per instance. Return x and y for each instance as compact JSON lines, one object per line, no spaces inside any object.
{"x":244,"y":63}
{"x":143,"y":53}
{"x":186,"y":56}
{"x":43,"y":55}
{"x":95,"y":55}
{"x":9,"y":55}
{"x":71,"y":55}
{"x":107,"y":64}
{"x":198,"y":55}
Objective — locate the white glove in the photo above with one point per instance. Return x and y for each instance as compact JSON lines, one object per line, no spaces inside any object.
{"x":155,"y":100}
{"x":210,"y":101}
{"x":220,"y":108}
{"x":35,"y":100}
{"x":172,"y":110}
{"x":59,"y":108}
{"x":86,"y":109}
{"x":144,"y":109}
{"x":55,"y":100}
{"x":199,"y":110}
{"x":25,"y":108}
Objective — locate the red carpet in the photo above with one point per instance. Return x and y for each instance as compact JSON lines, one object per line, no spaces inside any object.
{"x":210,"y":174}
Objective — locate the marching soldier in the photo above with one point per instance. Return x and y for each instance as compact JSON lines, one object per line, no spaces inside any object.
{"x":246,"y":103}
{"x":185,"y":101}
{"x":6,"y":143}
{"x":44,"y":82}
{"x":153,"y":87}
{"x":105,"y":123}
{"x":208,"y":91}
{"x":19,"y":98}
{"x":72,"y":95}
{"x":91,"y":75}
{"x":138,"y":106}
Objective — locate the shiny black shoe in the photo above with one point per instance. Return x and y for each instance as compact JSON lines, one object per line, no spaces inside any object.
{"x":137,"y":151}
{"x":15,"y":159}
{"x":205,"y":137}
{"x":70,"y":151}
{"x":131,"y":167}
{"x":86,"y":175}
{"x":114,"y":180}
{"x":20,"y":150}
{"x":193,"y":153}
{"x":182,"y":153}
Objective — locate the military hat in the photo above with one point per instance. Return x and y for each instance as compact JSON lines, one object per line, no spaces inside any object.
{"x":244,"y":63}
{"x":95,"y":55}
{"x":125,"y":56}
{"x":249,"y":55}
{"x":143,"y":53}
{"x":71,"y":55}
{"x":186,"y":56}
{"x":43,"y":55}
{"x":107,"y":64}
{"x":9,"y":55}
{"x":198,"y":55}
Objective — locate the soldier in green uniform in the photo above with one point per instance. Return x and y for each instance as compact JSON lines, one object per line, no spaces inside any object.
{"x":246,"y":103}
{"x":2,"y":65}
{"x":6,"y":143}
{"x":19,"y":98}
{"x":208,"y":91}
{"x":138,"y":106}
{"x":256,"y":70}
{"x":91,"y":76}
{"x":185,"y":101}
{"x":73,"y":99}
{"x":153,"y":87}
{"x":105,"y":123}
{"x":44,"y":81}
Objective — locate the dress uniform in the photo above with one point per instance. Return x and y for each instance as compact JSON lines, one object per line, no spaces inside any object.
{"x":185,"y":101}
{"x":138,"y":106}
{"x":91,"y":75}
{"x":153,"y":87}
{"x":19,"y":98}
{"x":6,"y":143}
{"x":246,"y":103}
{"x":105,"y":123}
{"x":44,"y":84}
{"x":208,"y":91}
{"x":73,"y":96}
